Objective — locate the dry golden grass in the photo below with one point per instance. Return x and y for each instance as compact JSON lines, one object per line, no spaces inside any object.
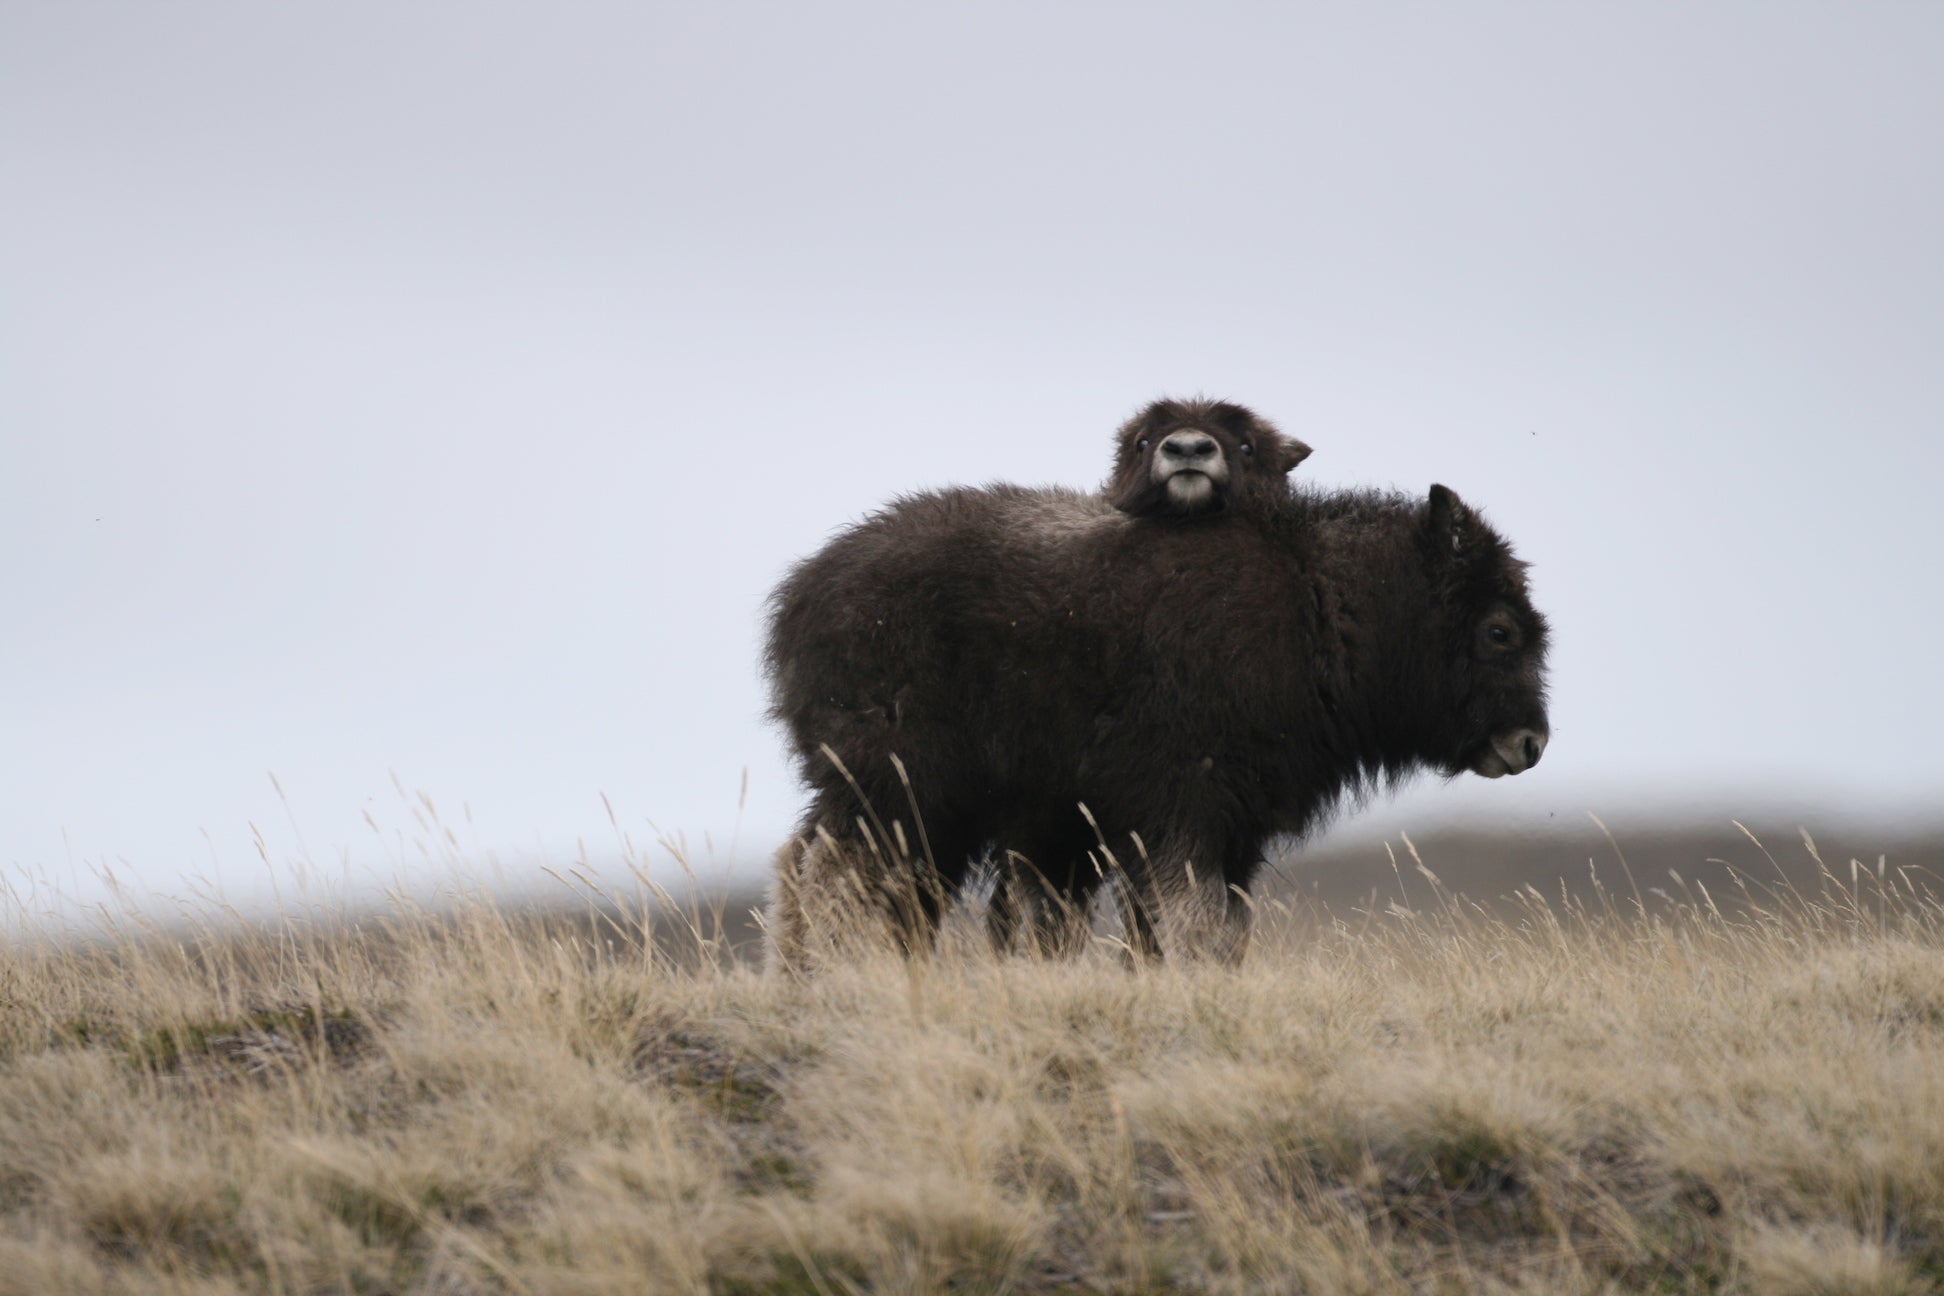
{"x":1573,"y":1099}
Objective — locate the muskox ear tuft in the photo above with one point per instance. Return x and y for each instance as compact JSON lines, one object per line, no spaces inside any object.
{"x":1448,"y":522}
{"x":1293,"y":453}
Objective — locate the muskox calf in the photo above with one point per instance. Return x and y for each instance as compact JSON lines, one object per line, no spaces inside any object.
{"x":1034,"y":676}
{"x":1197,"y":458}
{"x":1194,"y":461}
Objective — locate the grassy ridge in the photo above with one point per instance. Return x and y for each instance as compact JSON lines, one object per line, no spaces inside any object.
{"x":1573,"y":1098}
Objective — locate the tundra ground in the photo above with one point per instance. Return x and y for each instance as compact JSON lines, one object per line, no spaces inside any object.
{"x":1577,"y":1095}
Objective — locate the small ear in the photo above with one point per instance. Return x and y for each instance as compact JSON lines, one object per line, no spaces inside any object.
{"x":1293,"y":453}
{"x":1447,"y":521}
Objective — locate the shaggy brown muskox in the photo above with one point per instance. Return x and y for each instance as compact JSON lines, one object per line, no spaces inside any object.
{"x":965,"y":670}
{"x":1196,"y":457}
{"x":1193,"y":460}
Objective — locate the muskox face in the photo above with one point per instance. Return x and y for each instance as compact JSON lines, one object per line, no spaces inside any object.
{"x":1196,"y":457}
{"x":1494,"y":645}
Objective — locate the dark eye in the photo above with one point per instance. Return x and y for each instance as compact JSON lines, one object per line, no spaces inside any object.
{"x":1498,"y":634}
{"x":1142,"y":444}
{"x":1247,"y":449}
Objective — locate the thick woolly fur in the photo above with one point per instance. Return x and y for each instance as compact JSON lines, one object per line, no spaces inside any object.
{"x":1037,"y":678}
{"x":1199,"y":458}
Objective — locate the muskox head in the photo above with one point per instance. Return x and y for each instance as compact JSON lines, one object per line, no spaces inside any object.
{"x":1492,"y":645}
{"x":1199,"y":456}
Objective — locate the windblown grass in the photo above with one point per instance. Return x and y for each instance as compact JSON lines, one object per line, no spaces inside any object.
{"x":1664,"y":1096}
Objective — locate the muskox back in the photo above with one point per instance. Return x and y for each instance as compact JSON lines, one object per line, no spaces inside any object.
{"x":927,"y":631}
{"x":964,"y":671}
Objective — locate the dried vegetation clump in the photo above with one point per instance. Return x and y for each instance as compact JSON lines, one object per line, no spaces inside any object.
{"x":1668,"y":1096}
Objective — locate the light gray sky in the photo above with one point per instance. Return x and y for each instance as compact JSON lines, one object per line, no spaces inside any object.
{"x":439,"y":388}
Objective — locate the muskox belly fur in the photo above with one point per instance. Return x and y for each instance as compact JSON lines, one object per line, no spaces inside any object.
{"x":1035,"y":678}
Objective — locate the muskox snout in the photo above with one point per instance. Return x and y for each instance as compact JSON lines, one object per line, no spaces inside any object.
{"x":1511,"y":753}
{"x":1186,"y":447}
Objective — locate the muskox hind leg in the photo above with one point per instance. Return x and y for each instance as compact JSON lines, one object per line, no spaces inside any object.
{"x":828,"y":902}
{"x":921,"y":875}
{"x":838,"y":895}
{"x":809,"y":878}
{"x":1011,"y":902}
{"x":1050,"y":908}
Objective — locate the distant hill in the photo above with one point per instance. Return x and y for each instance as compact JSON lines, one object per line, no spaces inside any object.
{"x":1680,"y":860}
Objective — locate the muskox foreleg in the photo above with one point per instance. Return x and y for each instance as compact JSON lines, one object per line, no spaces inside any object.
{"x":1192,"y":910}
{"x":1240,"y":864}
{"x":1237,"y":923}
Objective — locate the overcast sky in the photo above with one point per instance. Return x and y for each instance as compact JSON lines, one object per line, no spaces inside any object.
{"x":439,"y":388}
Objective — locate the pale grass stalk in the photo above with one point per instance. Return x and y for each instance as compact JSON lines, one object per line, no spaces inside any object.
{"x":1740,"y":1092}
